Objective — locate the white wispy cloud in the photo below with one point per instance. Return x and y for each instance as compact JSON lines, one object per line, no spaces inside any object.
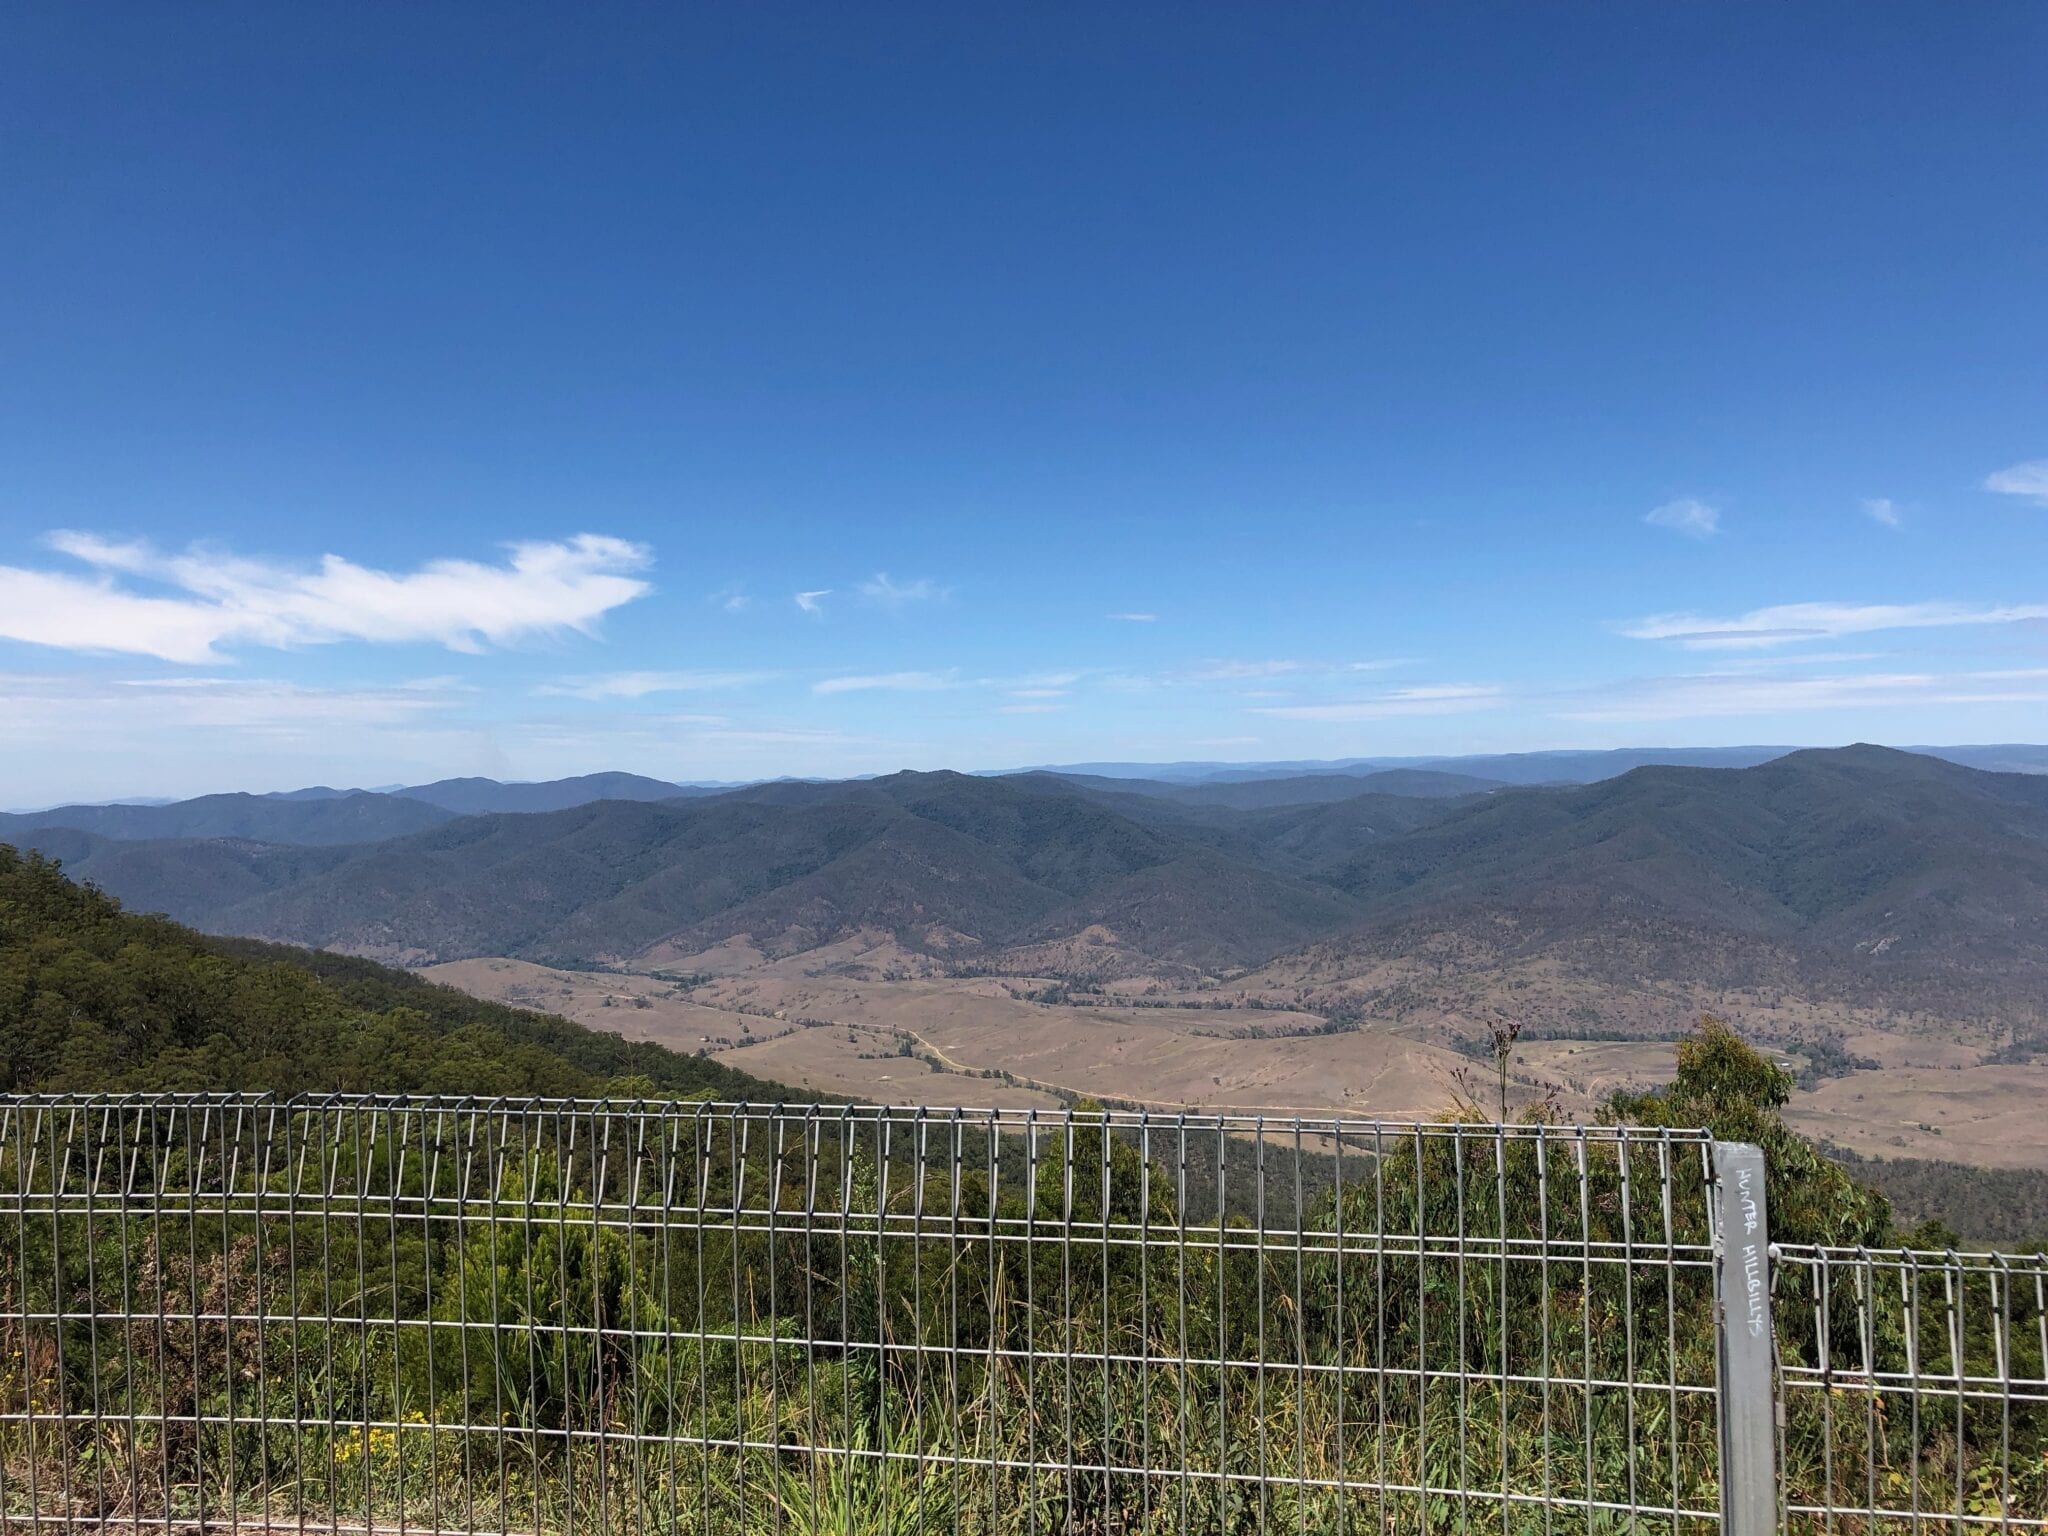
{"x":1746,"y":693}
{"x":1134,"y":618}
{"x":1038,"y":680}
{"x":215,"y":601}
{"x":895,"y":596}
{"x":1882,"y":509}
{"x":638,"y":685}
{"x":1693,"y":518}
{"x":813,"y":602}
{"x":898,"y":682}
{"x":1239,"y":671}
{"x":1423,"y":699}
{"x":1029,"y":709}
{"x":1790,"y":623}
{"x":2028,"y":480}
{"x":1034,"y":685}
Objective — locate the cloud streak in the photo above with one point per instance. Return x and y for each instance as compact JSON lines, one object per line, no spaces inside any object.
{"x":1424,"y":699}
{"x":895,"y":596}
{"x":1791,"y":623}
{"x":1694,"y":519}
{"x":638,"y":685}
{"x":893,"y":682}
{"x":1881,"y":509}
{"x":1237,"y":670}
{"x":1240,"y":671}
{"x":2029,"y":481}
{"x":207,"y":602}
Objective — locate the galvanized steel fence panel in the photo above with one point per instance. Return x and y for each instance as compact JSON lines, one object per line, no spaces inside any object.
{"x":1913,"y":1388}
{"x":439,"y":1315}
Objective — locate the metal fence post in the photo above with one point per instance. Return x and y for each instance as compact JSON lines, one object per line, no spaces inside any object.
{"x":1742,"y":1282}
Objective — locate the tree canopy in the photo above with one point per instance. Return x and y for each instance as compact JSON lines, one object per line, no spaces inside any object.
{"x":93,"y":998}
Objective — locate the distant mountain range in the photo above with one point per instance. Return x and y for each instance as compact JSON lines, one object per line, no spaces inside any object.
{"x":353,"y":817}
{"x":1535,"y":767}
{"x":1389,"y":775}
{"x":482,"y":797}
{"x":1862,"y":872}
{"x":321,"y":815}
{"x":1248,"y":793}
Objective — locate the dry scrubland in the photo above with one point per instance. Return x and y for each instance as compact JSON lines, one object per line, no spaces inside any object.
{"x":841,"y":1018}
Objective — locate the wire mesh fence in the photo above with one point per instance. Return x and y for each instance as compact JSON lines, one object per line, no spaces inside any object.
{"x":361,"y":1314}
{"x":1913,"y":1388}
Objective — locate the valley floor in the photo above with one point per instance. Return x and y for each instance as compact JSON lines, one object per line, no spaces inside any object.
{"x":869,"y":1021}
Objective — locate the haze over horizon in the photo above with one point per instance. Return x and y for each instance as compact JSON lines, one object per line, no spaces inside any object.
{"x":730,"y":395}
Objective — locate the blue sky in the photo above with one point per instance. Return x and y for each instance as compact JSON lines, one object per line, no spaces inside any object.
{"x":394,"y":392}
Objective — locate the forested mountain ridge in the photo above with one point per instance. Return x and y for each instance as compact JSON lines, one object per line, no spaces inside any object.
{"x":941,"y":859}
{"x":1900,"y":864}
{"x":189,"y":879}
{"x":93,"y":999}
{"x":1901,"y":856}
{"x":483,"y":797}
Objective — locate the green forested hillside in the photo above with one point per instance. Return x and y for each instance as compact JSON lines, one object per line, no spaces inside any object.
{"x":1915,"y":880}
{"x":1827,"y":844}
{"x":795,"y":863}
{"x":185,"y":878}
{"x":95,"y":998}
{"x":1955,"y":1203}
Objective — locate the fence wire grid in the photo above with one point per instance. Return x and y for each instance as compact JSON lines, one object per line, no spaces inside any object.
{"x":1911,"y":1387}
{"x":358,"y":1315}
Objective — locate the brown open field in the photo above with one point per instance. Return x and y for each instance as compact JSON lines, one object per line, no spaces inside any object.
{"x":867,"y":1069}
{"x":1173,"y":1057}
{"x":638,"y":1007}
{"x":1592,"y":1069}
{"x":837,"y":1020}
{"x":1995,"y":1117}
